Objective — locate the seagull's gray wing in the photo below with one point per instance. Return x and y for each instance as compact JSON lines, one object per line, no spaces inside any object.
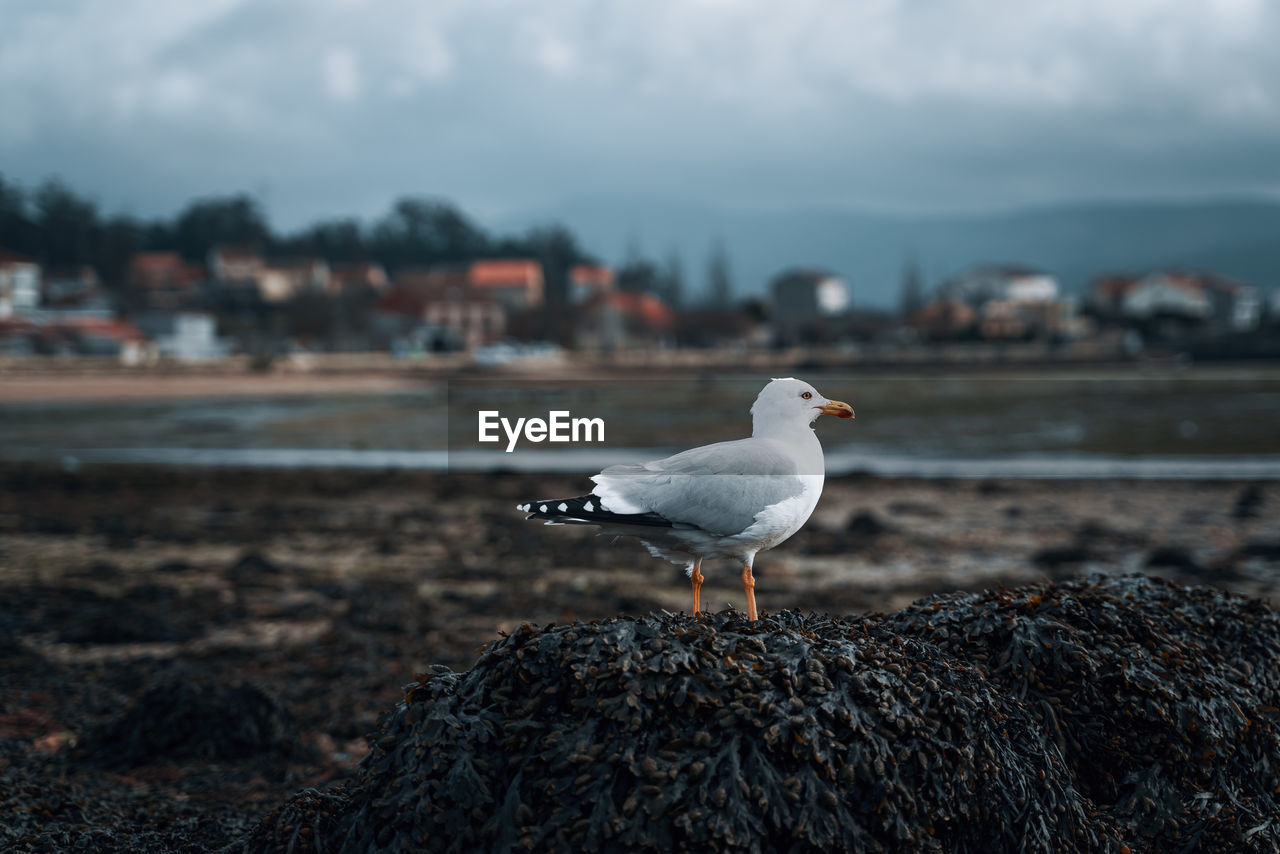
{"x":717,"y":488}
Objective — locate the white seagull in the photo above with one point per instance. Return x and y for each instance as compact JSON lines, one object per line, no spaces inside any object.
{"x":727,"y":500}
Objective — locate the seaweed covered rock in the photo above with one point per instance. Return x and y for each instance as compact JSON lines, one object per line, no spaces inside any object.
{"x":1110,"y":715}
{"x":301,"y":824}
{"x":670,"y":733}
{"x":1163,"y":698}
{"x":188,"y":716}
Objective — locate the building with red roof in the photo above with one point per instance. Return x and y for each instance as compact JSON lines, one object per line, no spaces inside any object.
{"x":164,"y":280}
{"x":625,"y":319}
{"x":445,"y":299}
{"x":516,"y":283}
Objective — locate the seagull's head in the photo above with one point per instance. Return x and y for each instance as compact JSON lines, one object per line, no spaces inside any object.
{"x":789,"y":403}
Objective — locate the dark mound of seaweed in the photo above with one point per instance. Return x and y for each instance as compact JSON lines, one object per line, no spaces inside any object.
{"x":1115,"y":714}
{"x":186,"y":716}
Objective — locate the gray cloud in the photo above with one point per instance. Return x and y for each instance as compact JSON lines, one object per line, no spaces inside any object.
{"x":337,"y":106}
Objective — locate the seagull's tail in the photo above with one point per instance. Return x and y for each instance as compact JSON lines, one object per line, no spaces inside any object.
{"x":586,"y":510}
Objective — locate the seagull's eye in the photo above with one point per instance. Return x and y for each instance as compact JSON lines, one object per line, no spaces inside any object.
{"x":806,"y":395}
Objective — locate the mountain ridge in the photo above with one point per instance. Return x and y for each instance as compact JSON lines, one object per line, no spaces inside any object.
{"x":1076,"y":241}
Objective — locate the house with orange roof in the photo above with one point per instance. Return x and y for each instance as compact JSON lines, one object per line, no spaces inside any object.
{"x":516,"y":283}
{"x":444,"y":300}
{"x":625,"y":319}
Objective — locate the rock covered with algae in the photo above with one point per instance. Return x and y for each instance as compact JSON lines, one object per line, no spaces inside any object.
{"x":188,"y":716}
{"x":1122,"y":714}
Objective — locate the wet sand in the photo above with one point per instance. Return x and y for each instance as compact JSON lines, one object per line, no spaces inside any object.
{"x":329,"y":590}
{"x":121,"y":385}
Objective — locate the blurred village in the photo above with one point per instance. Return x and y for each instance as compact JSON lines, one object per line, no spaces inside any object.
{"x":424,"y":282}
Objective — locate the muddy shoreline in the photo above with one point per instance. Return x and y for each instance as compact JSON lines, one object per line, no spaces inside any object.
{"x":326,"y":591}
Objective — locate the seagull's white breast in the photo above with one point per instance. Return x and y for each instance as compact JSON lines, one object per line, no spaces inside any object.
{"x":778,"y":522}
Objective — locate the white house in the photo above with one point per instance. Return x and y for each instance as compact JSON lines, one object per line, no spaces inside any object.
{"x":1239,"y":306}
{"x":1223,"y":303}
{"x":234,"y":263}
{"x":19,"y":284}
{"x":980,"y":285}
{"x":282,"y":279}
{"x":1166,"y":294}
{"x":1032,"y":287}
{"x":187,"y":336}
{"x":804,"y":295}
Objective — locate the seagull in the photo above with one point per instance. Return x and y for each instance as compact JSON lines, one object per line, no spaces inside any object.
{"x":726,"y":500}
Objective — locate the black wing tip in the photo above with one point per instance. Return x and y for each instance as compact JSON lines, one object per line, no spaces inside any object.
{"x":586,"y":508}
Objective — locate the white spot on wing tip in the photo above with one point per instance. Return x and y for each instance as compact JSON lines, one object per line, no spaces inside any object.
{"x":543,"y":508}
{"x":588,"y":507}
{"x":563,"y":507}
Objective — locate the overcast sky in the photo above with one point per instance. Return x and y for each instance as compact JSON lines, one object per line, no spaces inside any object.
{"x":330,"y":107}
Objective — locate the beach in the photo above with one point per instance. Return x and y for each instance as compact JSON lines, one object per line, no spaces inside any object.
{"x":329,"y":590}
{"x":316,"y":592}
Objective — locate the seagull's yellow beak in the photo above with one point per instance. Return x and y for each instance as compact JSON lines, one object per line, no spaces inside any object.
{"x":838,"y":408}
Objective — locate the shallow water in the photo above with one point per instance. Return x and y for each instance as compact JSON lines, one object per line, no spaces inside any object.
{"x":1201,"y":423}
{"x":579,"y":460}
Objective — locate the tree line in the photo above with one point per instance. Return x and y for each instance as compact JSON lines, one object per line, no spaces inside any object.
{"x":64,"y":230}
{"x":61,"y":229}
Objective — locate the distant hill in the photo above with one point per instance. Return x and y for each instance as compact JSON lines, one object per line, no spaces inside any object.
{"x":1075,"y":242}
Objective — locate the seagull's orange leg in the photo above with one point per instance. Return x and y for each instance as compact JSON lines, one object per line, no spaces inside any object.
{"x":749,"y":588}
{"x":696,"y":578}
